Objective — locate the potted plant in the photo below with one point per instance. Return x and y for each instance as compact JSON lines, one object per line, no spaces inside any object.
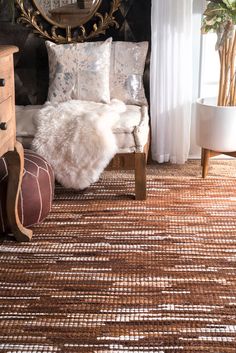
{"x":216,"y":117}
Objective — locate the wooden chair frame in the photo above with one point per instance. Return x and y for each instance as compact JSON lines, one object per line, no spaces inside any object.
{"x":136,"y":161}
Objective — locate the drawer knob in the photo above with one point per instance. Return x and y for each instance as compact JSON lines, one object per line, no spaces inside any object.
{"x":2,"y":82}
{"x":3,"y":126}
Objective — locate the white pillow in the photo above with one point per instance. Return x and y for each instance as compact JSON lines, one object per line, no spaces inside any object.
{"x":127,"y":68}
{"x":79,"y":71}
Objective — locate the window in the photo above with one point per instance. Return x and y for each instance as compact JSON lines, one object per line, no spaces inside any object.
{"x":210,"y":68}
{"x":206,"y":67}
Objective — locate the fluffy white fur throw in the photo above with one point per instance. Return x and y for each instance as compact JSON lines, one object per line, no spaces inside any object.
{"x":76,"y":138}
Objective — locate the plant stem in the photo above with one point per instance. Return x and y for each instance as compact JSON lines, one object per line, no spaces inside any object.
{"x":227,"y":86}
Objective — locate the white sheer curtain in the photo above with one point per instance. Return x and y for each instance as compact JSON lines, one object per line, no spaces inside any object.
{"x":171,"y":80}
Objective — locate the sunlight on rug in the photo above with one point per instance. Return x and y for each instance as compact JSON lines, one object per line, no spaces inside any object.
{"x":105,"y":273}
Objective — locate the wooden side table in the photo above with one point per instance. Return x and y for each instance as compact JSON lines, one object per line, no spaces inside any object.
{"x":9,"y":147}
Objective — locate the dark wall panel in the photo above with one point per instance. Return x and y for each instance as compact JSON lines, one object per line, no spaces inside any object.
{"x":31,"y":64}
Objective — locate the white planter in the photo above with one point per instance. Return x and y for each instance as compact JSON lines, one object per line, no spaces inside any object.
{"x":215,"y":126}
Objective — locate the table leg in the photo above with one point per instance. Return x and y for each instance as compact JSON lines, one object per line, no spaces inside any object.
{"x":205,"y":167}
{"x":15,"y":164}
{"x":202,"y":157}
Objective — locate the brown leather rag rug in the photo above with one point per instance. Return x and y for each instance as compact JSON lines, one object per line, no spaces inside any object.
{"x":105,"y":273}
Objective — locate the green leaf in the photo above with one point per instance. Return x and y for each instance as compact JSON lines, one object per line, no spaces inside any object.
{"x":230,"y":3}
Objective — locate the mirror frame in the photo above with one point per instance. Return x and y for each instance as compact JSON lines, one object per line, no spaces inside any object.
{"x":54,"y":23}
{"x":31,"y":16}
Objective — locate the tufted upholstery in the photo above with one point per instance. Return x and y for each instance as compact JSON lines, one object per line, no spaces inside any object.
{"x":31,"y":65}
{"x":36,"y":194}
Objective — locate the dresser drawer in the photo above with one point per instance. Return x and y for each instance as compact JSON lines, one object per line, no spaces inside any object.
{"x":6,"y":74}
{"x":7,"y":137}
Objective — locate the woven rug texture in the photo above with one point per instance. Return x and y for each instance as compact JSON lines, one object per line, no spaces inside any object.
{"x":105,"y":273}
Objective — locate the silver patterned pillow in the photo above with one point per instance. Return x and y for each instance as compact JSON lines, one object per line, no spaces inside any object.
{"x":79,"y":71}
{"x":127,"y":67}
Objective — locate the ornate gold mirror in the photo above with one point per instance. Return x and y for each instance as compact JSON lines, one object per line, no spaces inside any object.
{"x":64,"y":13}
{"x":65,"y":21}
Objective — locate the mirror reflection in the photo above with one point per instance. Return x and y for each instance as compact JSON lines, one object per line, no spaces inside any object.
{"x":68,"y":12}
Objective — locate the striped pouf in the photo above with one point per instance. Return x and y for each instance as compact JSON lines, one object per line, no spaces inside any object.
{"x":37,"y":191}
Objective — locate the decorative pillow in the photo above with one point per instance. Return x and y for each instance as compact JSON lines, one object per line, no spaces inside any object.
{"x":79,"y":71}
{"x":127,"y":67}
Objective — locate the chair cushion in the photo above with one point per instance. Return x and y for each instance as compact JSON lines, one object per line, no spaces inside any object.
{"x":37,"y":191}
{"x":131,"y":132}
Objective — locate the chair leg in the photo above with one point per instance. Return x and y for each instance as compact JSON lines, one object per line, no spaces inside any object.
{"x":140,"y":176}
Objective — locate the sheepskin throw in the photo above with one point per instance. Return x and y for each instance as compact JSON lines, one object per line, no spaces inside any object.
{"x":76,"y":138}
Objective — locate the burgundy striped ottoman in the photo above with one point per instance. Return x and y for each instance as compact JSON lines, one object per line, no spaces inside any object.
{"x":37,"y":191}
